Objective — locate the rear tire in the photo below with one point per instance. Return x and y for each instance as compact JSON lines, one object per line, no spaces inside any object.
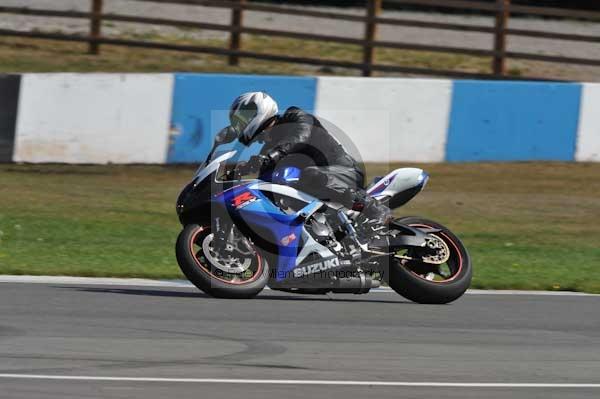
{"x":407,"y":282}
{"x":198,"y":269}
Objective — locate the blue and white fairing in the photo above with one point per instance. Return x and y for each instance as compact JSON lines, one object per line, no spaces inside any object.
{"x":248,"y":203}
{"x":399,"y":186}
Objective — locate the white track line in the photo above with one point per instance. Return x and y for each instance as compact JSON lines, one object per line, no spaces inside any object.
{"x":139,"y":282}
{"x":67,"y":280}
{"x":301,"y":382}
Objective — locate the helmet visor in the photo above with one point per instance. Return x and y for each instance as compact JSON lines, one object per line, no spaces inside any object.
{"x":241,"y":118}
{"x":238,"y":123}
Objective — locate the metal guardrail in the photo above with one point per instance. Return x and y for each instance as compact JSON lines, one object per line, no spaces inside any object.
{"x":372,"y":19}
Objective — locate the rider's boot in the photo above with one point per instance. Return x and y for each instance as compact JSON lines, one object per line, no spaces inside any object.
{"x":373,"y":210}
{"x":377,"y":211}
{"x":378,"y":216}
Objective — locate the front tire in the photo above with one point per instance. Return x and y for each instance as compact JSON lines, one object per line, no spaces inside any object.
{"x":418,"y":282}
{"x":197,"y":266}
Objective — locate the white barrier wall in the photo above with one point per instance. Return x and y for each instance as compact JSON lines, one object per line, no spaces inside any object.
{"x":389,"y":119}
{"x":94,"y":118}
{"x":126,"y":118}
{"x":588,"y":136}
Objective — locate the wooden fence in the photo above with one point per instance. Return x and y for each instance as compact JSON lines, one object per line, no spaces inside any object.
{"x":372,"y":19}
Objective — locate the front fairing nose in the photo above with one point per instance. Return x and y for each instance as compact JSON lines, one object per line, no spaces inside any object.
{"x":183,"y":198}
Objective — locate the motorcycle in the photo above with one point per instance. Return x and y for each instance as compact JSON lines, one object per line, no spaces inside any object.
{"x":240,"y":235}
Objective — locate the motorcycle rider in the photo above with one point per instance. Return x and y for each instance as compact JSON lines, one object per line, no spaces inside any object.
{"x":297,"y":138}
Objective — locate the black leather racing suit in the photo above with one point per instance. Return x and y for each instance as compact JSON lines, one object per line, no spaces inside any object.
{"x":329,"y":172}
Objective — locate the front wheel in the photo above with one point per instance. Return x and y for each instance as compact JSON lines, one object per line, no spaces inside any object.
{"x":240,"y":272}
{"x":437,"y":274}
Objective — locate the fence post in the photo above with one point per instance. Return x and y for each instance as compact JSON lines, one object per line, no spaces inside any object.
{"x":95,"y":26}
{"x":235,"y":38}
{"x":502,"y":16}
{"x":373,"y":10}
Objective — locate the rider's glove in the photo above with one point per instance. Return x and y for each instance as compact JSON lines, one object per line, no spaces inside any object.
{"x":255,"y":164}
{"x":275,"y":156}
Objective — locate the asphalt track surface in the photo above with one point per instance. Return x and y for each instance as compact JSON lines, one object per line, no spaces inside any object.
{"x":161,"y":342}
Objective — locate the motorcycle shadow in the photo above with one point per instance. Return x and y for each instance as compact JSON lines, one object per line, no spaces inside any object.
{"x":264,"y":296}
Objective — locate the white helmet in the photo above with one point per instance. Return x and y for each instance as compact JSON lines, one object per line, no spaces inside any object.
{"x":249,"y":112}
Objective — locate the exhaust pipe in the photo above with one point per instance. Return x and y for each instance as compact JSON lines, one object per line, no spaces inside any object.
{"x":354,"y":285}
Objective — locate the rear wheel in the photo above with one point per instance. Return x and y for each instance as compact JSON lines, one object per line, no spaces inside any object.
{"x":437,"y":274}
{"x":240,"y":272}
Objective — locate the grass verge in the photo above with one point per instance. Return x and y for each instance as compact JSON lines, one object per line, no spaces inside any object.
{"x":35,"y":55}
{"x":527,"y":225}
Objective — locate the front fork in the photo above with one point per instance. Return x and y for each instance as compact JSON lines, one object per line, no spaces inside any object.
{"x":226,"y":240}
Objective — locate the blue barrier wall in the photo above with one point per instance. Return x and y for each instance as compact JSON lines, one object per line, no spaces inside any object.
{"x":435,"y":120}
{"x":201,"y":101}
{"x":513,"y":121}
